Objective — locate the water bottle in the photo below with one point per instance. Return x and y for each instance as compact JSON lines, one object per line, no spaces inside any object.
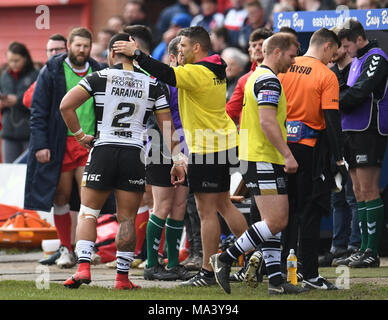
{"x":291,"y":267}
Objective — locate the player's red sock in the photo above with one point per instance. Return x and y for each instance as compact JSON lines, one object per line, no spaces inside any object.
{"x":63,"y":225}
{"x":141,"y":227}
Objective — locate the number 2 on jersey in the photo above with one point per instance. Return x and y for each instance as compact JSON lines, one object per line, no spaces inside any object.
{"x":129,"y":109}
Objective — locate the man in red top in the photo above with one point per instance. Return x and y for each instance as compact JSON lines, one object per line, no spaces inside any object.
{"x":256,"y":39}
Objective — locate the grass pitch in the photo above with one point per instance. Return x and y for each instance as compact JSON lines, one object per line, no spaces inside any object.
{"x":364,"y":284}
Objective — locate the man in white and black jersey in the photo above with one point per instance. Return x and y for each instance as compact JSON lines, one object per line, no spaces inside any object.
{"x":124,"y":97}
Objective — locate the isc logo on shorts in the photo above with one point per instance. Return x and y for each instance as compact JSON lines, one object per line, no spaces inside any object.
{"x":93,"y":177}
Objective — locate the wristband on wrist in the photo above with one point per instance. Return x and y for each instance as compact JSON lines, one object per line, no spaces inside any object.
{"x":78,"y":132}
{"x":83,"y":137}
{"x":178,"y":157}
{"x":175,"y":164}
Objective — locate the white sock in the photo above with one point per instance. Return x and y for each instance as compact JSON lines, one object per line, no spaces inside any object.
{"x":124,"y":260}
{"x":84,"y":249}
{"x":251,"y":238}
{"x":272,"y":256}
{"x":314,"y":279}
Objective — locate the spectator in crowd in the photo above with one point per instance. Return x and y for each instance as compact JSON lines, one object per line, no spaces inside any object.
{"x":366,"y":4}
{"x":312,"y":102}
{"x":234,"y":20}
{"x":224,"y":5}
{"x":314,"y":5}
{"x":255,"y":19}
{"x":236,"y":62}
{"x":346,"y":232}
{"x":268,"y":7}
{"x":293,"y":3}
{"x":135,"y":14}
{"x":278,"y":7}
{"x":100,"y":50}
{"x":349,"y":3}
{"x":179,"y":21}
{"x":180,"y":6}
{"x":219,"y":38}
{"x":200,"y":80}
{"x":256,"y":40}
{"x":98,"y":53}
{"x":365,"y":133}
{"x":169,"y":202}
{"x":104,"y":36}
{"x":115,"y":23}
{"x":55,"y":156}
{"x":15,"y":116}
{"x":209,"y":18}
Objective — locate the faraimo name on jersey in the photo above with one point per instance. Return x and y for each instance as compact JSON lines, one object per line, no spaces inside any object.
{"x":125,"y":92}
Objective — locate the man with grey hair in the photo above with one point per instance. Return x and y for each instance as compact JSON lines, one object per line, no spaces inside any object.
{"x":236,"y":61}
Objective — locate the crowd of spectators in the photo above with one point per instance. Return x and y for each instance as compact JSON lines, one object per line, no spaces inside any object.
{"x":230,"y":22}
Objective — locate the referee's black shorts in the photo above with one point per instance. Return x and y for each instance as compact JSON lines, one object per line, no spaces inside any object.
{"x":210,"y":173}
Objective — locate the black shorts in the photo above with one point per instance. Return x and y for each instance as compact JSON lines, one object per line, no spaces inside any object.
{"x":364,"y":149}
{"x":159,"y":175}
{"x":264,"y":178}
{"x":112,"y":167}
{"x":209,"y":173}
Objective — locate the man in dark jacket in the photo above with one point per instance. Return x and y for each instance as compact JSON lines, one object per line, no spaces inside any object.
{"x":55,"y":156}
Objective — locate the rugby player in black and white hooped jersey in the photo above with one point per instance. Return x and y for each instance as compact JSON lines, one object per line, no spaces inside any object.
{"x":124,"y":97}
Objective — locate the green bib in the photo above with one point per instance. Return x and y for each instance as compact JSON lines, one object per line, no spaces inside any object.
{"x":85,"y":112}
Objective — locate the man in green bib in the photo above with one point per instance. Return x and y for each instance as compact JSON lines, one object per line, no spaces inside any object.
{"x":56,"y":158}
